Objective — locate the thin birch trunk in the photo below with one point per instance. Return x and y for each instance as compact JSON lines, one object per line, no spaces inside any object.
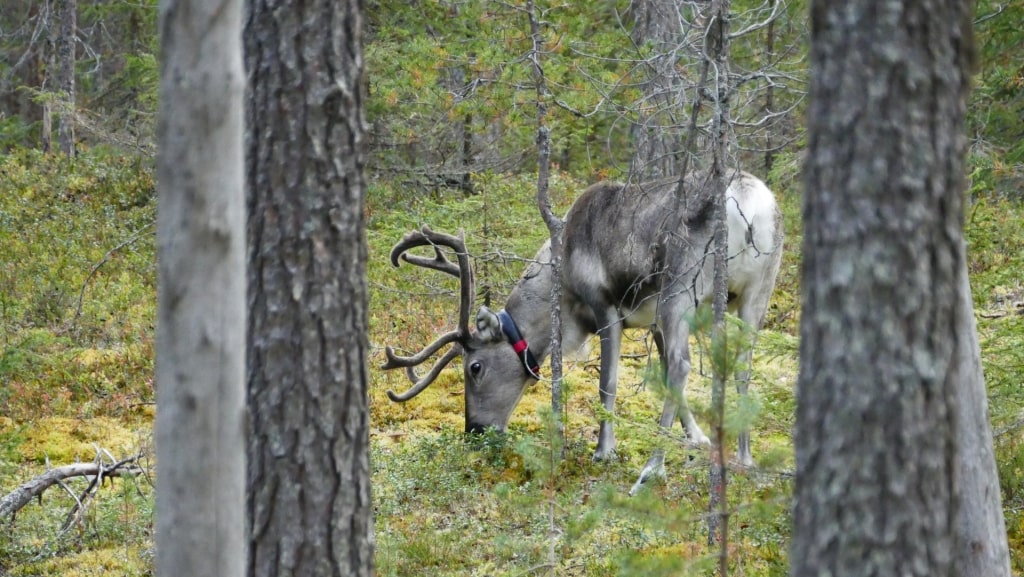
{"x":200,"y":424}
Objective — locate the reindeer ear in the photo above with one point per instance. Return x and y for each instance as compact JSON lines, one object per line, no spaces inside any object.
{"x":488,"y":326}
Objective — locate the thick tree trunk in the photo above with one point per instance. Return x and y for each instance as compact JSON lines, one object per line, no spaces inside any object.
{"x":982,"y":549}
{"x":200,"y":437}
{"x":66,"y":43}
{"x":309,"y":476}
{"x":877,"y":491}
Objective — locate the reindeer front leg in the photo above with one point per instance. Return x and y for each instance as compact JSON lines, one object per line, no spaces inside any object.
{"x":610,"y":332}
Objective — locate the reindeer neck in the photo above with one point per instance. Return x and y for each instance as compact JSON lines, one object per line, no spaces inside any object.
{"x":534,"y":322}
{"x":532,"y":314}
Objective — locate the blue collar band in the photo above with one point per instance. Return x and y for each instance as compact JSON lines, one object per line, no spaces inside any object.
{"x":515,"y":338}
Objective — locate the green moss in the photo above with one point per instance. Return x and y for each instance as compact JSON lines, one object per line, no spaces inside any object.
{"x":77,"y":381}
{"x":121,"y":561}
{"x":65,"y":440}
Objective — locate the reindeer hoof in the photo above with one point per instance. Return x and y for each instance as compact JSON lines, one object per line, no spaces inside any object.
{"x":699,"y":438}
{"x":654,"y":469}
{"x":605,"y":455}
{"x":745,"y":462}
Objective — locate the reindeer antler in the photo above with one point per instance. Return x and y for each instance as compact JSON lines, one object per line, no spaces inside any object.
{"x":423,"y":237}
{"x":464,"y":272}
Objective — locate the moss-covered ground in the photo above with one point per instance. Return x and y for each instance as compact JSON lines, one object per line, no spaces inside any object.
{"x":77,"y":311}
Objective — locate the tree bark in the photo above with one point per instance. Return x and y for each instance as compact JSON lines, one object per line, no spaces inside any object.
{"x":201,"y":298}
{"x":656,"y":143}
{"x":982,"y":548}
{"x":717,"y":49}
{"x":554,"y":223}
{"x":769,"y":95}
{"x":309,"y":477}
{"x":66,"y":43}
{"x":45,"y":75}
{"x":879,"y":444}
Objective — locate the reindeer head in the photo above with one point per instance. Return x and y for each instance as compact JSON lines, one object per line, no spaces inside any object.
{"x":496,"y":362}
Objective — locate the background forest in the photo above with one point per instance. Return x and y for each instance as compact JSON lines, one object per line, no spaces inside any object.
{"x":453,"y":126}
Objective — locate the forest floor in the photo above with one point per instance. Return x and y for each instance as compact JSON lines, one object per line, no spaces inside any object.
{"x":77,"y":314}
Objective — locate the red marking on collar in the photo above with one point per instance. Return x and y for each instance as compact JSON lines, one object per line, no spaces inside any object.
{"x":520,"y":345}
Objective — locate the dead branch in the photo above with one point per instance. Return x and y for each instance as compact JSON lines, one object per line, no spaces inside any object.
{"x":18,"y":498}
{"x":1018,"y":424}
{"x":110,"y":254}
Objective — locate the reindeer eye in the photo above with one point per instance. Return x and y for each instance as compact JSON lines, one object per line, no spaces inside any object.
{"x":475,"y":367}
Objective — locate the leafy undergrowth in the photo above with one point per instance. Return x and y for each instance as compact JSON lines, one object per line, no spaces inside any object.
{"x":77,"y":286}
{"x":491,"y":506}
{"x":77,"y":308}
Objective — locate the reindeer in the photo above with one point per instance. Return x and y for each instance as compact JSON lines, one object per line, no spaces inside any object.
{"x":635,"y":255}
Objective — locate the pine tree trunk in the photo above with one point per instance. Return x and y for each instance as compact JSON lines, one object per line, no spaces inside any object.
{"x":66,"y":43}
{"x":982,"y":549}
{"x":46,"y":129}
{"x":309,"y":476}
{"x":200,"y":425}
{"x":879,"y":441}
{"x":48,"y":60}
{"x":554,"y":223}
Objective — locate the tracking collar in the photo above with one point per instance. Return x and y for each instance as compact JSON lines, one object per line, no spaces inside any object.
{"x":515,"y":338}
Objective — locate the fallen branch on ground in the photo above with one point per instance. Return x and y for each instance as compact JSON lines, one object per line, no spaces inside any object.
{"x":98,"y":470}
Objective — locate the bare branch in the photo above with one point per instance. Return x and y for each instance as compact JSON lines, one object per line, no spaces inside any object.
{"x":18,"y":498}
{"x":1019,"y":423}
{"x":110,"y":254}
{"x":999,"y":10}
{"x":758,"y":25}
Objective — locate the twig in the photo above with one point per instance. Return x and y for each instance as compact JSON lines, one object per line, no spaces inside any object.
{"x":537,"y":568}
{"x":1009,"y":428}
{"x":82,"y":500}
{"x":75,"y":514}
{"x":999,"y":10}
{"x":110,"y":253}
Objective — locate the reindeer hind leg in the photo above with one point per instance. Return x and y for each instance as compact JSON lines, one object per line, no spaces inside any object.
{"x":675,"y":370}
{"x":752,"y":308}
